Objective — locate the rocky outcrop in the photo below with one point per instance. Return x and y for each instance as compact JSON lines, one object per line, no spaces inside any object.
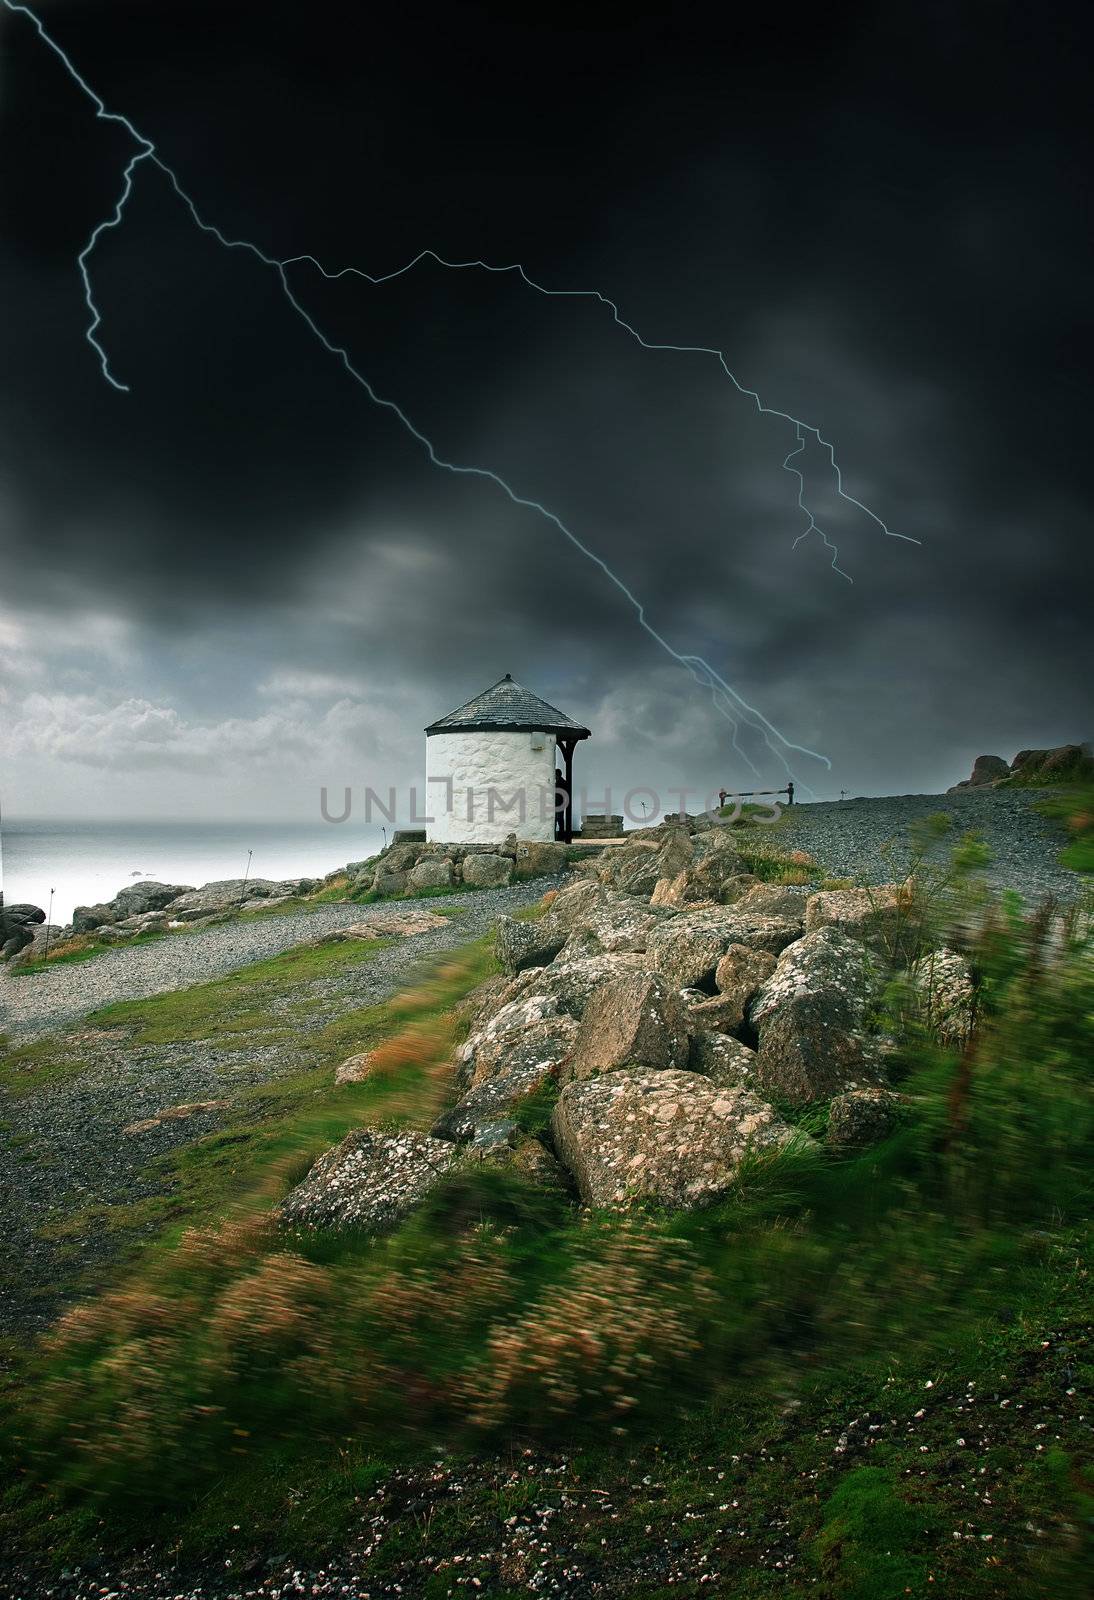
{"x":942,"y":984}
{"x":487,"y":871}
{"x":633,"y":1020}
{"x":1063,"y":763}
{"x":192,"y":1108}
{"x":687,"y":948}
{"x":527,"y":944}
{"x":354,"y":1069}
{"x":148,"y":895}
{"x":396,"y":922}
{"x":570,"y":981}
{"x":532,"y":1027}
{"x":85,"y":919}
{"x":437,"y":873}
{"x":878,"y":915}
{"x":525,"y":1065}
{"x":810,"y":1017}
{"x":738,"y":975}
{"x":985,"y":770}
{"x":671,"y":1136}
{"x":17,"y":928}
{"x":370,"y":1181}
{"x":863,"y":1117}
{"x":722,"y":1060}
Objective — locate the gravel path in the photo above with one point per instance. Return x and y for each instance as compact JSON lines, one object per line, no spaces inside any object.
{"x":43,"y":1002}
{"x":849,"y":837}
{"x":62,"y":1144}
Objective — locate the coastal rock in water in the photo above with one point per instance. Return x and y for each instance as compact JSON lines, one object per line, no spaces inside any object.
{"x":370,"y":1181}
{"x":810,"y":1016}
{"x":633,"y":1020}
{"x":863,"y":1116}
{"x":669,"y":1136}
{"x":487,"y":871}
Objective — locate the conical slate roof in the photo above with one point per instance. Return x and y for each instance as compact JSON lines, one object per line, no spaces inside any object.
{"x":508,"y":707}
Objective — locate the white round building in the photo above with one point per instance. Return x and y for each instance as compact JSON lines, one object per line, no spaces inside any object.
{"x":490,"y":768}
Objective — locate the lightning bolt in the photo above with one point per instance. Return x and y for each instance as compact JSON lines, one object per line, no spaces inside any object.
{"x":726,"y":700}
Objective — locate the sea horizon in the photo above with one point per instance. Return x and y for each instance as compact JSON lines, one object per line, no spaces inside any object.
{"x":85,"y":861}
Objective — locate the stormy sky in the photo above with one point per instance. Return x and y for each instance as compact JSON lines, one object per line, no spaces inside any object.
{"x":241,"y":579}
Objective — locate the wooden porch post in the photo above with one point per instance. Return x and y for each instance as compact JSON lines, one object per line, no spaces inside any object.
{"x":567,"y":828}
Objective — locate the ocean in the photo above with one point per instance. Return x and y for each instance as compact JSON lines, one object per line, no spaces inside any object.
{"x":86,"y":862}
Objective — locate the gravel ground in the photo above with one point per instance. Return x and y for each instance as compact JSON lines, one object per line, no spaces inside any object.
{"x":849,"y":837}
{"x":62,"y":1148}
{"x":44,"y":1002}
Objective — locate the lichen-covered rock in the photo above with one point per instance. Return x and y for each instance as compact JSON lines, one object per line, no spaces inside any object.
{"x":877,"y":915}
{"x":151,"y":896}
{"x":570,"y":982}
{"x":671,"y":1137}
{"x":636,"y":867}
{"x":943,"y":986}
{"x":633,"y":1020}
{"x":863,"y":1116}
{"x":388,"y":882}
{"x":520,"y":1154}
{"x":433,"y":872}
{"x":534,"y":1020}
{"x":617,"y":922}
{"x":85,"y":919}
{"x":526,"y":1062}
{"x":369,"y":1181}
{"x":534,"y":859}
{"x":811,"y":1017}
{"x":774,"y":900}
{"x":354,"y":1069}
{"x":722,"y":1060}
{"x":518,"y":945}
{"x":484,"y":1002}
{"x":738,"y":975}
{"x":686,"y":948}
{"x":487,"y":870}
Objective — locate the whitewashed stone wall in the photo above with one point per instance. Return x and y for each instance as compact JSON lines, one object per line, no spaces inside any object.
{"x":505,"y":762}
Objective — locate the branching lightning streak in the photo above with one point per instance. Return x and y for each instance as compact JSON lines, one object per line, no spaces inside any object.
{"x":729,"y":703}
{"x":801,"y":428}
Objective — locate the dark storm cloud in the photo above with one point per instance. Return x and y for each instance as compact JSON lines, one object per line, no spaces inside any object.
{"x":873,"y":212}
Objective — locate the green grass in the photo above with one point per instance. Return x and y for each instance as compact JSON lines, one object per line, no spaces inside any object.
{"x":825,"y":1297}
{"x":1074,"y":807}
